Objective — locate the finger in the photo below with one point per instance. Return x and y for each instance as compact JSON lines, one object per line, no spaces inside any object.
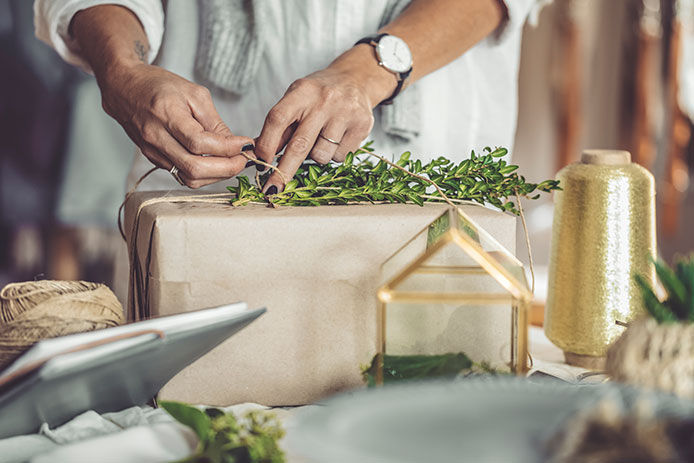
{"x":156,"y":157}
{"x":195,"y":184}
{"x":277,"y":122}
{"x":324,"y":150}
{"x":286,"y":136}
{"x":205,"y":113}
{"x":197,"y":140}
{"x":296,"y":152}
{"x":159,"y":160}
{"x":201,"y":167}
{"x":195,"y":167}
{"x":351,"y":141}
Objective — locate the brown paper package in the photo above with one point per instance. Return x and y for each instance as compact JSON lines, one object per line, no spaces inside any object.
{"x":316,"y":269}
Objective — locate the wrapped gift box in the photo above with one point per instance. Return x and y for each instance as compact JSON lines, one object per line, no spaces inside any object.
{"x":316,"y":269}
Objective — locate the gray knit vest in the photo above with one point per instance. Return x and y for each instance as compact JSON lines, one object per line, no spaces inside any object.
{"x":230,"y":47}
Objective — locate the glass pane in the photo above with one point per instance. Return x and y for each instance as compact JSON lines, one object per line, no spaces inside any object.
{"x":494,"y":251}
{"x":454,"y":245}
{"x":449,"y":272}
{"x":481,"y":332}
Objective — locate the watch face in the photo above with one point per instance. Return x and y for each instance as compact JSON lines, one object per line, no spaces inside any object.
{"x":394,"y":53}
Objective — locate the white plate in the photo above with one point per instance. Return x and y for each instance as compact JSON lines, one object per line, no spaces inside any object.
{"x":481,"y":420}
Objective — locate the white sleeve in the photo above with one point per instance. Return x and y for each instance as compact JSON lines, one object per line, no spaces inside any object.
{"x":517,"y":13}
{"x":52,"y":20}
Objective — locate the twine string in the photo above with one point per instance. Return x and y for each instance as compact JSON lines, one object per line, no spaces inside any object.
{"x":36,"y":310}
{"x":527,"y":244}
{"x":438,"y":189}
{"x":653,"y":355}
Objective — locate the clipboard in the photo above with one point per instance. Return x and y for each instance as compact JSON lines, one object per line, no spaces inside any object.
{"x":110,"y":369}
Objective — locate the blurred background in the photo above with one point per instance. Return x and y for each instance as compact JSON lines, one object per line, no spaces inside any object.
{"x":594,"y":74}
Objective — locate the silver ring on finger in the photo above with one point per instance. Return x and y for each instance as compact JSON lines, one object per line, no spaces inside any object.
{"x":174,"y":173}
{"x":334,"y":142}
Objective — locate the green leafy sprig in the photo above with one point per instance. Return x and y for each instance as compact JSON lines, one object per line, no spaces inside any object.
{"x":414,"y":367}
{"x":225,"y":439}
{"x":679,"y":286}
{"x":485,"y":179}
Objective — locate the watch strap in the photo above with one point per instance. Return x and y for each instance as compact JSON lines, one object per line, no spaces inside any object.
{"x":371,"y":39}
{"x":401,"y":81}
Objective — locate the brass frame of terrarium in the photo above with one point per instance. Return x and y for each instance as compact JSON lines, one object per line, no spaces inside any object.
{"x":518,"y":293}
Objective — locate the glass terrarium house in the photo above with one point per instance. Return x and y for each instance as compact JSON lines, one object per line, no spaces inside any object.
{"x":454,"y":289}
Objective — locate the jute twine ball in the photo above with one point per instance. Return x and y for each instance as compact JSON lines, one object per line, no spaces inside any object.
{"x":36,"y":310}
{"x":655,"y":356}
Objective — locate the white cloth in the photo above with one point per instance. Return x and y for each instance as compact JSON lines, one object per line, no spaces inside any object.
{"x":134,"y":435}
{"x":469,"y":104}
{"x":137,"y":434}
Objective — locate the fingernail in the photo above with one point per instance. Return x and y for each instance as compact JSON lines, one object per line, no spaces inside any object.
{"x":260,"y":167}
{"x":271,"y":191}
{"x":249,"y":163}
{"x":248,"y":147}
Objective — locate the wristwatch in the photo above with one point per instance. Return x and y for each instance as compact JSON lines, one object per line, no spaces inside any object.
{"x":394,"y":55}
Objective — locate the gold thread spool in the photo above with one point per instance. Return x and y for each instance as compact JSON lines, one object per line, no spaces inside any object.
{"x":603,"y":234}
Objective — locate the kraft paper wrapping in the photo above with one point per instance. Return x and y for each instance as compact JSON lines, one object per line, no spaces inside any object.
{"x":316,"y":269}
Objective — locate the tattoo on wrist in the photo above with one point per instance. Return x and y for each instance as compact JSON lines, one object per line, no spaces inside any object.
{"x":141,"y":51}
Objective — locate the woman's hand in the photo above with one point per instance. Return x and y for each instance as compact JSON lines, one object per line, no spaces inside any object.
{"x":173,"y":122}
{"x":324,"y":115}
{"x":337,"y":102}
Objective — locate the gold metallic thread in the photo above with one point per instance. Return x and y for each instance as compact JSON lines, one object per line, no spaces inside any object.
{"x":603,"y":234}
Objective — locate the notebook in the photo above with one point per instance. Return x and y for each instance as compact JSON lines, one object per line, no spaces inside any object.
{"x":110,"y":369}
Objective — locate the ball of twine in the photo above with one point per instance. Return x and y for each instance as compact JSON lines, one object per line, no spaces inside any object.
{"x":36,"y":310}
{"x":655,"y":356}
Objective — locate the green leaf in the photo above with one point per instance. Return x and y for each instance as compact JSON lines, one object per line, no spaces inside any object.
{"x":507,"y":169}
{"x":416,"y":367}
{"x":499,"y":152}
{"x":453,"y":184}
{"x":380,"y":168}
{"x":398,"y":186}
{"x":303,"y":193}
{"x":404,"y":159}
{"x":399,"y":367}
{"x":415,"y":198}
{"x":685,"y":272}
{"x":291,"y":185}
{"x":674,"y":287}
{"x":190,"y":416}
{"x":463,"y":168}
{"x":653,"y":305}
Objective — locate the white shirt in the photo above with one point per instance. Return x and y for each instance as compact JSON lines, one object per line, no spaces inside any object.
{"x":468,"y":104}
